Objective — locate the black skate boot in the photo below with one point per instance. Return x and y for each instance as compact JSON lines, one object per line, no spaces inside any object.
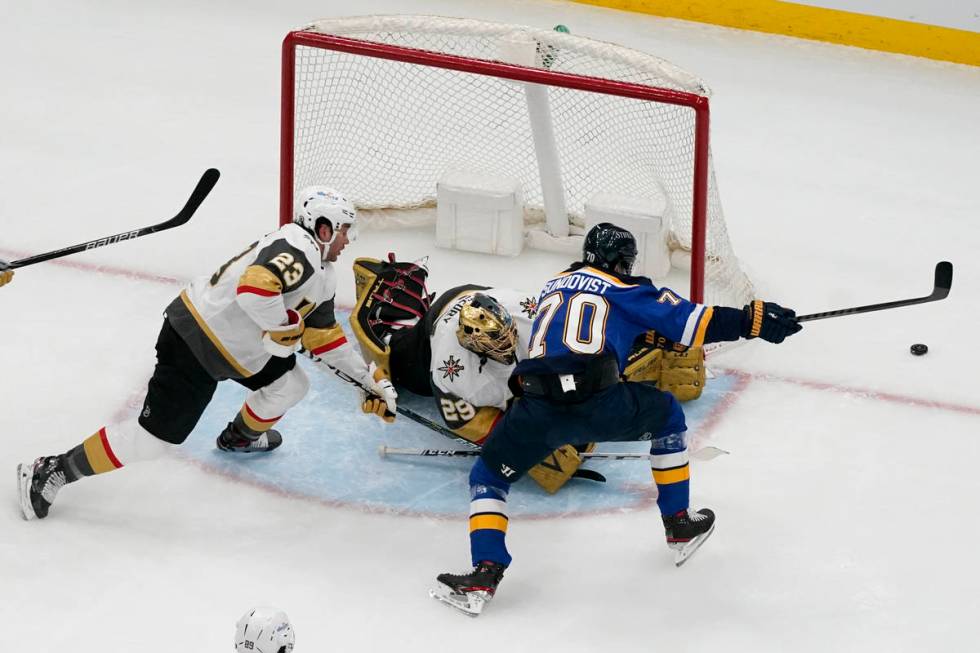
{"x":39,"y":482}
{"x":234,"y":439}
{"x":687,"y":531}
{"x":468,"y":593}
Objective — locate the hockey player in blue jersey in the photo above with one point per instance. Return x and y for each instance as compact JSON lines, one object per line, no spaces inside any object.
{"x":571,"y":392}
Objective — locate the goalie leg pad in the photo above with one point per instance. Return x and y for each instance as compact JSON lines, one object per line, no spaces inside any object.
{"x":682,"y":373}
{"x":561,"y":465}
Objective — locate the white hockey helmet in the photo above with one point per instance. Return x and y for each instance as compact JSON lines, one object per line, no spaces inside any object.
{"x":315,"y":203}
{"x":264,"y":630}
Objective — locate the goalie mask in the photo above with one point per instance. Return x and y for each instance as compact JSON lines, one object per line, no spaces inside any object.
{"x":316,"y":204}
{"x":486,"y":328}
{"x":609,"y":247}
{"x":264,"y":630}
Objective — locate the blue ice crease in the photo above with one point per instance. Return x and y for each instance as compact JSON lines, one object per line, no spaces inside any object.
{"x":330,"y":453}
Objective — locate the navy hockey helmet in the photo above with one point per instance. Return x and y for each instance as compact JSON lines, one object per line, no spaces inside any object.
{"x":609,"y":247}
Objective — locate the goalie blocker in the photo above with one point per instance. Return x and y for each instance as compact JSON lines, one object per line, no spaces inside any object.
{"x":398,"y":323}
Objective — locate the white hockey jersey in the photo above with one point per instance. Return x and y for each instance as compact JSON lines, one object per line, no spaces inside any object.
{"x":459,"y":373}
{"x":223,"y":317}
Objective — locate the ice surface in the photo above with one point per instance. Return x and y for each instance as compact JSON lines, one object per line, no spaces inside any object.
{"x":846,"y":511}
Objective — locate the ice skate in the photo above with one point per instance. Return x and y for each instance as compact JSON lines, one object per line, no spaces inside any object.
{"x":39,"y":482}
{"x":469,"y":593}
{"x":687,"y":531}
{"x":232,"y":439}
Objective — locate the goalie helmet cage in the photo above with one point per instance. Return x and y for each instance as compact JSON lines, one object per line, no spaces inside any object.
{"x":380,"y":107}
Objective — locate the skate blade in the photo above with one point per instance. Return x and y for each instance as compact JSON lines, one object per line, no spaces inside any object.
{"x":24,"y":473}
{"x":471,"y":603}
{"x":686,"y":550}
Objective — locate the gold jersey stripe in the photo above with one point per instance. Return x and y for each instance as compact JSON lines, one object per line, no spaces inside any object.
{"x":478,"y":429}
{"x":488,"y":522}
{"x":256,"y":276}
{"x":587,"y":269}
{"x":315,"y":338}
{"x":214,"y":339}
{"x":669,"y":476}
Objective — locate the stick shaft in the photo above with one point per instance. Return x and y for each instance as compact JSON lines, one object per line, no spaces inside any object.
{"x":943,"y":282}
{"x":204,"y":186}
{"x":398,"y":451}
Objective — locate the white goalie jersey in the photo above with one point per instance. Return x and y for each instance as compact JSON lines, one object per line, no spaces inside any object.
{"x":463,"y":380}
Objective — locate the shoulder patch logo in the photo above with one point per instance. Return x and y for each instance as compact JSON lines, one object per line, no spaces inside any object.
{"x":451,"y":368}
{"x":529,"y":306}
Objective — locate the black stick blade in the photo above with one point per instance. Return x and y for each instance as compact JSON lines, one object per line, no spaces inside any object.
{"x":198,"y":195}
{"x":943,"y":282}
{"x":944,"y":279}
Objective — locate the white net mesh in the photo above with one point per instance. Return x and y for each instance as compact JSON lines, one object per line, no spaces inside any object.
{"x":385,"y":131}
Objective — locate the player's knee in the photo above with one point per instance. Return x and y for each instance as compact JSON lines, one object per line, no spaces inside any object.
{"x":482,"y":475}
{"x":283,"y":393}
{"x":675,"y":422}
{"x":130,"y":442}
{"x":297,"y":385}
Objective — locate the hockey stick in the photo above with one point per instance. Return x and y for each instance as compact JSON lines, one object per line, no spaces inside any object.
{"x":204,"y":186}
{"x":705,"y":453}
{"x":940,"y":290}
{"x":407,"y":412}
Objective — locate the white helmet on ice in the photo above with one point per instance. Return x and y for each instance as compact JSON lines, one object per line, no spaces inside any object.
{"x":264,"y":630}
{"x":315,"y":203}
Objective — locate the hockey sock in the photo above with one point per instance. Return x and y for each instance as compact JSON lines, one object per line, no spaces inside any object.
{"x":671,"y":473}
{"x":488,"y":515}
{"x":111,"y":448}
{"x":93,"y":456}
{"x":247,"y":422}
{"x":266,"y":406}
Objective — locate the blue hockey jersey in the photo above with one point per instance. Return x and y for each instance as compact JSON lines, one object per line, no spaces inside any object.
{"x":584,"y":312}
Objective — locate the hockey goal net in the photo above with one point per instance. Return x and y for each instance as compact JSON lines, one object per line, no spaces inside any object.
{"x":382,"y":106}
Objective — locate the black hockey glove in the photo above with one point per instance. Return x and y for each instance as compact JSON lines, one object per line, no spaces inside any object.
{"x":769,"y":321}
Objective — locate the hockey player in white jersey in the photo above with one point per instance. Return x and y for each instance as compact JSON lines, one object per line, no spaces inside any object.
{"x":245,"y":322}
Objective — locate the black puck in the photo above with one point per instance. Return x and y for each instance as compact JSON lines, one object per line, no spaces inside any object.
{"x":918,"y":349}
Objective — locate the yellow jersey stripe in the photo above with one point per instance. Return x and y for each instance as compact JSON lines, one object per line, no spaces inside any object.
{"x":597,"y":273}
{"x":703,"y":327}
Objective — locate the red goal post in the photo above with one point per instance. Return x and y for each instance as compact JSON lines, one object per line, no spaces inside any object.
{"x":345,"y":57}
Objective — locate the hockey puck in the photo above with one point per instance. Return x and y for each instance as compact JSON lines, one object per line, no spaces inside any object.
{"x":918,"y":349}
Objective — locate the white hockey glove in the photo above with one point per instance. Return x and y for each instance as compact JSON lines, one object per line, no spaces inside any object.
{"x":283,"y":340}
{"x":381,"y":397}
